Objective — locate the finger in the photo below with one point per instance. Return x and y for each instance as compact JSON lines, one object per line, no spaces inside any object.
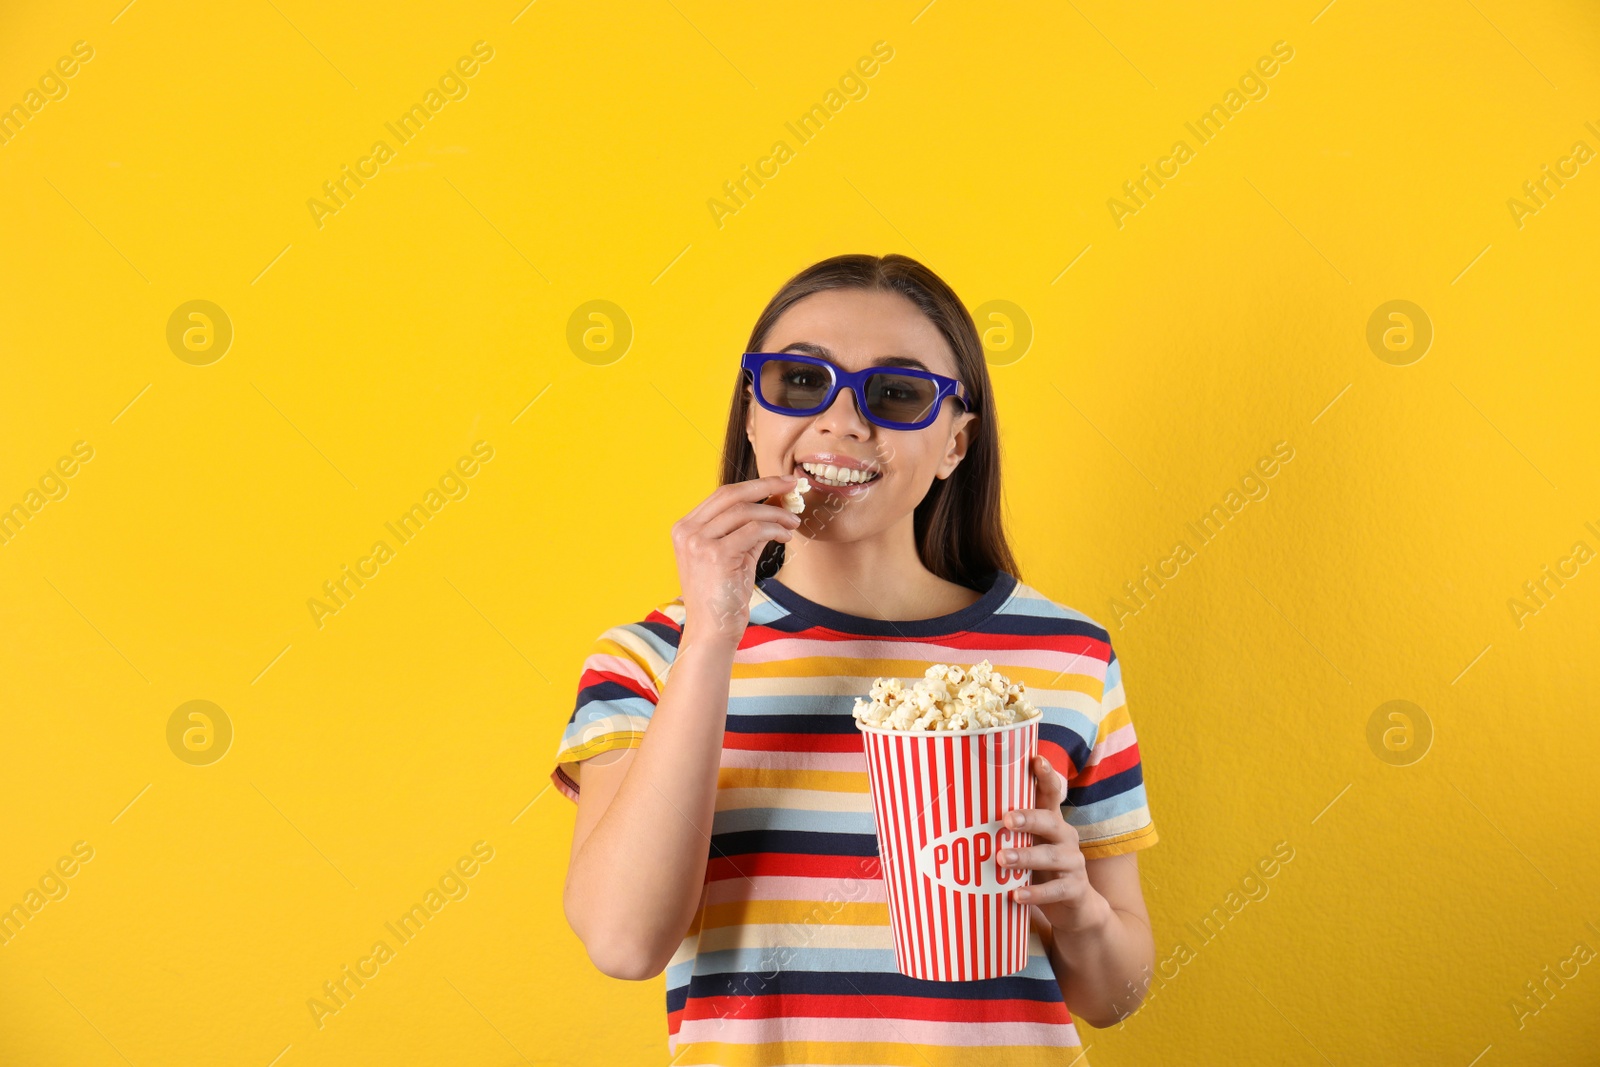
{"x":754,"y":534}
{"x":1052,"y":786}
{"x":1055,"y":891}
{"x":755,"y":489}
{"x":725,"y":522}
{"x":1029,"y":820}
{"x":1052,"y":858}
{"x":1042,"y":823}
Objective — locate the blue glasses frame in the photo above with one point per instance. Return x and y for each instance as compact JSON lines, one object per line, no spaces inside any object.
{"x":856,"y":382}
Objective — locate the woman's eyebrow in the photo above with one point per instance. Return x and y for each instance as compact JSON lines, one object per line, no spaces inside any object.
{"x":899,"y":361}
{"x":820,"y":352}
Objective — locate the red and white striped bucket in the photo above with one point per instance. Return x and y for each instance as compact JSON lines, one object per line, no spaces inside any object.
{"x":939,"y":797}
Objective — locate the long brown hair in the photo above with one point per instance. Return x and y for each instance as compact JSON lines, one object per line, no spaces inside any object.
{"x":958,"y":528}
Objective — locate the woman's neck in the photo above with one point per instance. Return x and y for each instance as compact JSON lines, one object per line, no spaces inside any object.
{"x":881,"y":578}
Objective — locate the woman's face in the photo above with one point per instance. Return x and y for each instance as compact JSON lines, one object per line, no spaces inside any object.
{"x":852,"y":329}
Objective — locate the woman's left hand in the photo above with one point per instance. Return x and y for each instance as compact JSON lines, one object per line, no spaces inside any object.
{"x":1060,"y":883}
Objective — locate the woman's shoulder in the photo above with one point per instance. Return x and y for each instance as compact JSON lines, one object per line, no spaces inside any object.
{"x":661,"y":623}
{"x":1047,"y":615}
{"x":1056,"y":648}
{"x":664,"y":619}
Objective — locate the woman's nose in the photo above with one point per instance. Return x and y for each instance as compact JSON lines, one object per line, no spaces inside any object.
{"x":843,"y":416}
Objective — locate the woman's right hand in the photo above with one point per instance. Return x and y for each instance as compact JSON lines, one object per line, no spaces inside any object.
{"x":718,"y":545}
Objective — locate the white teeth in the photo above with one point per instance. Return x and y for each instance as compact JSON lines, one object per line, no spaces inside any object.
{"x":828,"y":474}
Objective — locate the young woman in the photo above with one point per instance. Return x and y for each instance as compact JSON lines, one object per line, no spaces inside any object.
{"x":724,"y":829}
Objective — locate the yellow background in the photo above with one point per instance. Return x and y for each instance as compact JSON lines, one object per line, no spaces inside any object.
{"x":1228,"y":314}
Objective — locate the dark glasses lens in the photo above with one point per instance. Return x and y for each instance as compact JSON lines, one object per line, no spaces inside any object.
{"x":900,"y":397}
{"x":793,"y":385}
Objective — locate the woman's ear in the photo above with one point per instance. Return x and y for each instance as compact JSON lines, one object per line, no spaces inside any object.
{"x":960,"y":438}
{"x":749,"y":414}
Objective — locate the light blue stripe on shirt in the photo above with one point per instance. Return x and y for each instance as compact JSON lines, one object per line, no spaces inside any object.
{"x":735,"y":820}
{"x":1109,"y":808}
{"x":758,"y":961}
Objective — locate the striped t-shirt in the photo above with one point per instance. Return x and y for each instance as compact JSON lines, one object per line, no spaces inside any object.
{"x":789,"y":959}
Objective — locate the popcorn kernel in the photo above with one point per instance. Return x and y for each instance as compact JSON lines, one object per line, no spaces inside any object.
{"x":794,"y":499}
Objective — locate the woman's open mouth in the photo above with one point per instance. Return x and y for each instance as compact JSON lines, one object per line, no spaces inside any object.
{"x":846,"y":480}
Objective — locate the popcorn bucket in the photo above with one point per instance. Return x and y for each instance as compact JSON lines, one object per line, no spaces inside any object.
{"x":939,"y":797}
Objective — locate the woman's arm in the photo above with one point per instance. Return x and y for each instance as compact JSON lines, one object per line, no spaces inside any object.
{"x":1092,"y":911}
{"x":643,"y":834}
{"x":1103,"y":966}
{"x":642,"y":837}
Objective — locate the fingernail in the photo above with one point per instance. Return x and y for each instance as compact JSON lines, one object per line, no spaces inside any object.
{"x":1022,"y":894}
{"x":1011,"y":856}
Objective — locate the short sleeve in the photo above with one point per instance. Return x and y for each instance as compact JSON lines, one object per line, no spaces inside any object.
{"x":618,"y":689}
{"x":1105,"y":796}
